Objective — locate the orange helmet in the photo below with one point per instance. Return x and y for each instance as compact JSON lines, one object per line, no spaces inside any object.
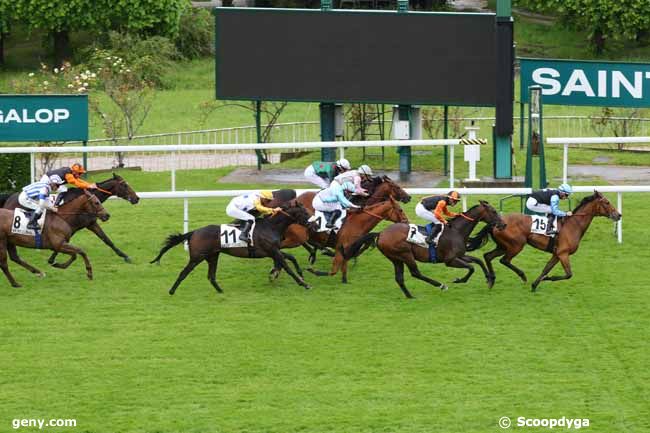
{"x":77,"y":168}
{"x":454,"y":195}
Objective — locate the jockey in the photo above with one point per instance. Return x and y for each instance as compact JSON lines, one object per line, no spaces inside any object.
{"x":70,"y":175}
{"x":332,"y":200}
{"x":547,"y":202}
{"x":240,"y":207}
{"x":432,"y":209}
{"x":35,"y":196}
{"x":356,"y":177}
{"x":322,"y":173}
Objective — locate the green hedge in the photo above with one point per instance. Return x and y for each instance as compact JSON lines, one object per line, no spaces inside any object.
{"x":14,"y":171}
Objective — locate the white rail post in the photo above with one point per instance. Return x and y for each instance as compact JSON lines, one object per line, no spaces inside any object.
{"x":565,"y":164}
{"x":464,"y":198}
{"x":619,"y":224}
{"x":32,"y":167}
{"x":172,"y":155}
{"x":186,"y":219}
{"x":451,"y":166}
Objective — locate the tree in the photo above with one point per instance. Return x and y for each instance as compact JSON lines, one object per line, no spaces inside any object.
{"x":6,"y":13}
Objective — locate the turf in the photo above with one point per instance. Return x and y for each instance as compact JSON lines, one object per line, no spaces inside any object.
{"x":120,"y":355}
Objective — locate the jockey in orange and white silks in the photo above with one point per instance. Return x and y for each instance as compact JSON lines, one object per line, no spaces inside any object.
{"x":241,"y":206}
{"x":331,"y":201}
{"x":69,"y":175}
{"x":434,"y":209}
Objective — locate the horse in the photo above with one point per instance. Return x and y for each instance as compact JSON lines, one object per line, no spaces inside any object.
{"x":451,"y":247}
{"x":115,"y":185}
{"x":55,"y":234}
{"x":205,"y":244}
{"x":511,"y":241}
{"x":357,"y":223}
{"x":379,"y":188}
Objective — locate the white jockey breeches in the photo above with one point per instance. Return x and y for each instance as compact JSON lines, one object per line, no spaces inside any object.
{"x":325,"y":207}
{"x":532,"y":204}
{"x":233,"y":210}
{"x":311,"y":176}
{"x":27,"y":202}
{"x":422,"y":212}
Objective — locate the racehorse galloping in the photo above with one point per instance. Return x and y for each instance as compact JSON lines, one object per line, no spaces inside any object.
{"x":513,"y":239}
{"x":115,"y":185}
{"x":358,"y":223}
{"x":451,"y":247}
{"x":55,"y":234}
{"x":380,"y":188}
{"x":205,"y":244}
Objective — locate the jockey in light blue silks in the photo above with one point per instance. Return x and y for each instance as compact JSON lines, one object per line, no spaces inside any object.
{"x":35,"y":196}
{"x":332,"y":200}
{"x":547,"y":201}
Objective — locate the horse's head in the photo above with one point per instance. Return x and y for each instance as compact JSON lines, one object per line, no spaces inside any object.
{"x":600,"y":206}
{"x":489,"y":215}
{"x":296,"y":211}
{"x":389,"y":209}
{"x":92,"y":205}
{"x":384,"y":187}
{"x":120,"y":188}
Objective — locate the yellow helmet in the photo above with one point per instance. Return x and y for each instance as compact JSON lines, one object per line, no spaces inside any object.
{"x":266,"y":194}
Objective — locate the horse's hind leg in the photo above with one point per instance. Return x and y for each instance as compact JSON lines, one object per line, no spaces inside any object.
{"x":212,"y":271}
{"x":399,"y":277}
{"x":4,"y":265}
{"x":13,"y":255}
{"x":507,"y":262}
{"x":293,"y":260}
{"x":415,"y":273}
{"x":185,"y":272}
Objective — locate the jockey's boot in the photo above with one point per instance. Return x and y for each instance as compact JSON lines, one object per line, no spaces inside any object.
{"x":549,"y":225}
{"x":33,"y":221}
{"x":331,"y":219}
{"x":434,"y":232}
{"x":244,"y":236}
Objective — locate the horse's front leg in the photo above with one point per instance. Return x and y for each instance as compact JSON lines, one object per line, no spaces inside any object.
{"x":479,"y":262}
{"x":73,"y":251}
{"x":95,"y":228}
{"x":460,"y":263}
{"x":566,"y":264}
{"x":551,"y":263}
{"x":279,"y":260}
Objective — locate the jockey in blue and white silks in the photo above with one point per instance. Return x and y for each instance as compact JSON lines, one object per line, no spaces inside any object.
{"x":35,"y":196}
{"x":332,"y":200}
{"x":547,"y":202}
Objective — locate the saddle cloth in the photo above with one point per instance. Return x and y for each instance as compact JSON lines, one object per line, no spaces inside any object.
{"x":229,"y":236}
{"x":539,"y":223}
{"x":417,"y":235}
{"x":21,"y":218}
{"x":320,"y":218}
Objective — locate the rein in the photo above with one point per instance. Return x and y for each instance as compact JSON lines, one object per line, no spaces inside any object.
{"x":371,"y":214}
{"x":104,"y":191}
{"x":466,"y":217}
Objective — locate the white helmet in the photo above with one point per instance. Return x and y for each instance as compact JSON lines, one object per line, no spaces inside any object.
{"x":348,"y":186}
{"x":56,"y":180}
{"x":365,"y":170}
{"x":343,"y":163}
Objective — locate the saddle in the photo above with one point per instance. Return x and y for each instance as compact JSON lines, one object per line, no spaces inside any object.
{"x":418,"y":234}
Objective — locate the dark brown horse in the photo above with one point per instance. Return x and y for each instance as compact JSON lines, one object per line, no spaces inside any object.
{"x":513,"y":239}
{"x":115,"y":186}
{"x":205,"y":244}
{"x":379,"y":188}
{"x":55,"y":234}
{"x":358,"y":223}
{"x":451,"y":247}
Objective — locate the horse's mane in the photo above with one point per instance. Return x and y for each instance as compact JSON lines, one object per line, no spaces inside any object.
{"x":585,"y":201}
{"x":460,"y":218}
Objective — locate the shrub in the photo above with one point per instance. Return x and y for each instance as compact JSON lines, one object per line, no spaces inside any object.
{"x":195,"y":37}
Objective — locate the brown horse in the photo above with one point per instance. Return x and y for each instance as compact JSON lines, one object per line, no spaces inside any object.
{"x":205,"y":244}
{"x":379,"y":189}
{"x":513,"y":239}
{"x":55,"y":234}
{"x":451,"y":247}
{"x":358,"y":223}
{"x":114,"y":186}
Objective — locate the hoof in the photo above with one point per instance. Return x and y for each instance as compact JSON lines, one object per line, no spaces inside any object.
{"x":306,"y":286}
{"x":127,"y":259}
{"x":443,"y":287}
{"x":533,"y":288}
{"x":171,"y":292}
{"x":490,"y":283}
{"x":41,"y":275}
{"x":459,"y":280}
{"x":90,"y":277}
{"x":17,"y":285}
{"x":312,"y":259}
{"x":273,"y":275}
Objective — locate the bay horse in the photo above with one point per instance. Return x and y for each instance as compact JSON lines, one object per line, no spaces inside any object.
{"x":513,"y":239}
{"x":359,"y":222}
{"x":451,"y":246}
{"x":380,"y":188}
{"x":114,"y":186}
{"x":55,"y":234}
{"x":205,"y":244}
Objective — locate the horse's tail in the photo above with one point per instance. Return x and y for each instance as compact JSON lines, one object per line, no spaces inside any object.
{"x":480,"y":239}
{"x":170,"y":242}
{"x":360,"y":245}
{"x":3,"y":198}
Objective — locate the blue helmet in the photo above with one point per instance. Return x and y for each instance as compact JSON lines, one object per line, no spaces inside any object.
{"x":565,"y":188}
